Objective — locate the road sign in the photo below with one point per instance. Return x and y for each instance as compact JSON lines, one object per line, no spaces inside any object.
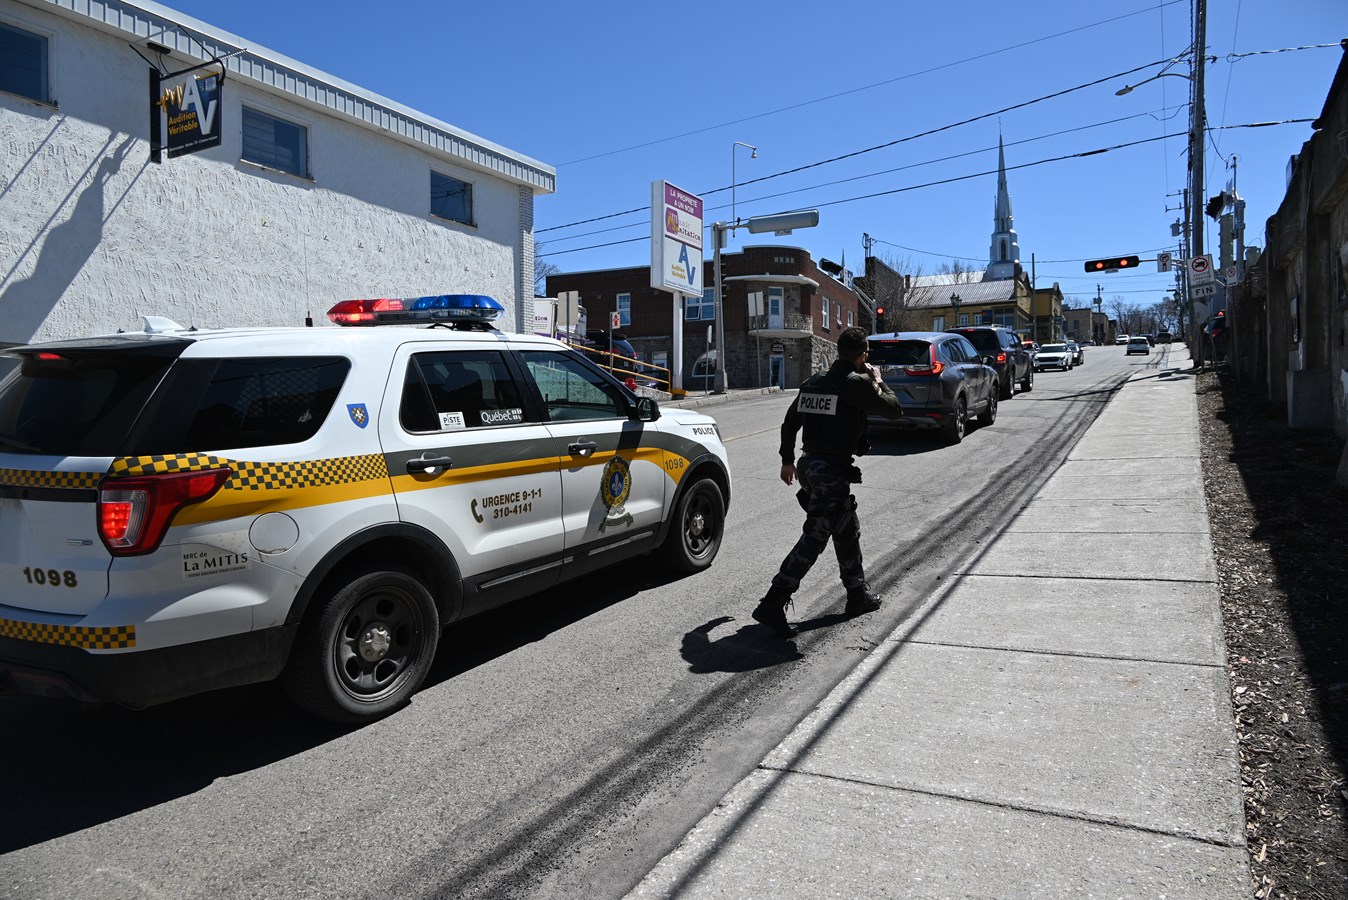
{"x":1200,"y":269}
{"x":1163,"y":262}
{"x":1232,"y":275}
{"x":1203,"y":290}
{"x":616,"y":320}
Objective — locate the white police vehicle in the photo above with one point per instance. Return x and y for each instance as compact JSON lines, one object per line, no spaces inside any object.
{"x":186,"y":510}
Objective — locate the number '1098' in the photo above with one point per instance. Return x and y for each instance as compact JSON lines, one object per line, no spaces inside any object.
{"x":52,"y":577}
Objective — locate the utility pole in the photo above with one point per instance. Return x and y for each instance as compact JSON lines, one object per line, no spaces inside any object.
{"x":1197,"y":138}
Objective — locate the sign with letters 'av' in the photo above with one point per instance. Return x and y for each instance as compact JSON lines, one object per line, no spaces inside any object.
{"x":676,"y":239}
{"x":189,"y":114}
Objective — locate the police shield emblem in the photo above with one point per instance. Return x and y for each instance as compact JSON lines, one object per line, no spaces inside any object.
{"x":359,"y":414}
{"x":617,"y":484}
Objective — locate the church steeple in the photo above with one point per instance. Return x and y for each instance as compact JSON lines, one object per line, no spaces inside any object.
{"x":1004,"y":254}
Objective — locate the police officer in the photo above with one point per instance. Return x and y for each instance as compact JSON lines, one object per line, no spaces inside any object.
{"x":832,"y":408}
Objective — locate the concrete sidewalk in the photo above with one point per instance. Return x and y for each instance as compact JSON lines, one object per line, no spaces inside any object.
{"x":1074,"y":741}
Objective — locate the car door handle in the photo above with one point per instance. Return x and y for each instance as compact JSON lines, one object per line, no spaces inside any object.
{"x":428,"y":464}
{"x":583,"y":447}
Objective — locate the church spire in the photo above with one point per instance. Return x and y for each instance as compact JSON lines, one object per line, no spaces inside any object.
{"x":1004,"y":253}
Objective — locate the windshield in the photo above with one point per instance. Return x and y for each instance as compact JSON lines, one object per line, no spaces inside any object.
{"x":1055,"y":348}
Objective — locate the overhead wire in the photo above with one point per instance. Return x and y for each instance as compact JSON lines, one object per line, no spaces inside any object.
{"x":868,"y":87}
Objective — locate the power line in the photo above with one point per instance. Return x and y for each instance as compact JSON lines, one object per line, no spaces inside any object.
{"x":886,"y":145}
{"x":868,"y":87}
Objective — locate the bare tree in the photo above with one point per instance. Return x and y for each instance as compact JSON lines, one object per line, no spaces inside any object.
{"x":963,"y":272}
{"x":542,"y":269}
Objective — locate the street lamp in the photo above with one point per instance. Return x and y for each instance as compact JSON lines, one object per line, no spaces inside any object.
{"x":753,"y":155}
{"x":955,"y":301}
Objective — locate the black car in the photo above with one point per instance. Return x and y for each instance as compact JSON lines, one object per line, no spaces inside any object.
{"x":1012,"y":361}
{"x":940,"y":380}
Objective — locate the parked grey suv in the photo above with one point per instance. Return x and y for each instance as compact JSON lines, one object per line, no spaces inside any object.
{"x":1009,"y":357}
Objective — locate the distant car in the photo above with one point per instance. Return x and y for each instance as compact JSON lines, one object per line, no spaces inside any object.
{"x":1164,"y":337}
{"x":1121,"y":339}
{"x":1078,"y":355}
{"x":1009,"y":357}
{"x":1138,"y":344}
{"x":1053,"y":356}
{"x":940,"y":380}
{"x":1151,"y":340}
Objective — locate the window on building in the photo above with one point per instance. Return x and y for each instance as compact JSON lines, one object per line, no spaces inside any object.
{"x":23,"y":63}
{"x":625,"y":309}
{"x":275,"y":143}
{"x":823,"y":307}
{"x":964,"y":319}
{"x":451,"y":198}
{"x":851,"y":318}
{"x":776,"y":301}
{"x":938,"y":323}
{"x":696,"y":309}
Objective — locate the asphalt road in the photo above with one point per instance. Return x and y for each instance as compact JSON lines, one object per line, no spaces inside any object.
{"x":563,"y":745}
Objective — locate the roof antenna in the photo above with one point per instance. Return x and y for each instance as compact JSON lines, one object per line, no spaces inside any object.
{"x":309,"y":318}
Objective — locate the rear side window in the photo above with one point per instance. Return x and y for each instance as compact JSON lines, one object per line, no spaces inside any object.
{"x":76,"y":402}
{"x":450,"y":391}
{"x":227,"y":404}
{"x":900,"y":353}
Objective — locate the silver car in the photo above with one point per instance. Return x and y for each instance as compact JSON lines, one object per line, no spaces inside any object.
{"x":940,"y":380}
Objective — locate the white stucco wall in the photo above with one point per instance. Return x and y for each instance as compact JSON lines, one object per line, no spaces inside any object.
{"x":93,"y":235}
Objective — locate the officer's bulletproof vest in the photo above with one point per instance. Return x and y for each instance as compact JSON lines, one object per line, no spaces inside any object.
{"x":828,"y":424}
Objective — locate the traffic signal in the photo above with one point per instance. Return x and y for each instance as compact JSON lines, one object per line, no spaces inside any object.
{"x":879,"y":312}
{"x":1112,"y":264}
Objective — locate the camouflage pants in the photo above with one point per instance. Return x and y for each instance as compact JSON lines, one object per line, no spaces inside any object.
{"x":830,"y":512}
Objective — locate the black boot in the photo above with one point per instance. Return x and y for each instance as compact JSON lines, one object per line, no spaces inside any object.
{"x":771,"y":611}
{"x":860,"y":600}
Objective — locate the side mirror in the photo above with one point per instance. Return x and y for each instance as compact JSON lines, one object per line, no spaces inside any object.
{"x":647,"y":409}
{"x":988,"y":360}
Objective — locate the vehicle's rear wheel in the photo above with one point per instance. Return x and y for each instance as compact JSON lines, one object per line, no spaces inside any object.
{"x":695,"y":533}
{"x":953,"y":429}
{"x":365,"y":648}
{"x":1027,"y":383}
{"x":1004,"y":386}
{"x":989,"y":415}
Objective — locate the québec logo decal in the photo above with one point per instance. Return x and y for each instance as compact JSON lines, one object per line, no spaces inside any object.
{"x":359,"y":414}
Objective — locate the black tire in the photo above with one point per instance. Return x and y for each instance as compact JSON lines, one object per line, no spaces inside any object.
{"x":1004,"y":386}
{"x":1027,"y":384}
{"x":955,"y":423}
{"x":695,"y":533}
{"x":989,"y":415}
{"x":363,"y":651}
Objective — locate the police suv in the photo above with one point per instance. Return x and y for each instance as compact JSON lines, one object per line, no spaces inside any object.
{"x":186,"y":510}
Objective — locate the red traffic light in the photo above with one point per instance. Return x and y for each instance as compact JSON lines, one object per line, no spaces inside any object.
{"x":879,"y":311}
{"x":1112,"y":264}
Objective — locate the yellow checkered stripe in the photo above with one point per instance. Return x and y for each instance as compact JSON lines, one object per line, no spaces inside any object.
{"x":267,"y":476}
{"x":262,"y":476}
{"x":164,"y":465}
{"x":35,"y":478}
{"x":111,"y":637}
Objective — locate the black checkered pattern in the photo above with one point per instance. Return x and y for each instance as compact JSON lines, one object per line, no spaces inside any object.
{"x":162,"y":465}
{"x":267,"y":476}
{"x":113,"y":637}
{"x":36,"y":478}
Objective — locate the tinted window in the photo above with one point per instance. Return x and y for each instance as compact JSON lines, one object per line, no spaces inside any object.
{"x":969,"y":352}
{"x":450,"y":391}
{"x":275,"y":143}
{"x":572,"y":389}
{"x":451,"y":198}
{"x":985,"y":341}
{"x":77,"y":403}
{"x":953,"y":351}
{"x":900,"y":353}
{"x":23,"y":63}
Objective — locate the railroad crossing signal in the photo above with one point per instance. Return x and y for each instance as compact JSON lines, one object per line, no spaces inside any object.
{"x":1112,"y":264}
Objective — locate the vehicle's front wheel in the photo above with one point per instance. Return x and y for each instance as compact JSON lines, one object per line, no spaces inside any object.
{"x":953,"y":429}
{"x":697,"y":528}
{"x":365,"y":648}
{"x":989,"y":415}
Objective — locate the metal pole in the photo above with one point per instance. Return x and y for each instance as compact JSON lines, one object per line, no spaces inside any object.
{"x":1197,"y":138}
{"x":718,"y":230}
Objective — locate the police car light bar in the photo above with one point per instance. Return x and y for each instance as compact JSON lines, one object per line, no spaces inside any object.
{"x":458,"y":309}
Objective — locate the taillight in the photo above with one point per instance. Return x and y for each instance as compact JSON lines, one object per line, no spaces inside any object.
{"x":935,"y":367}
{"x":134,"y":513}
{"x":1001,"y":358}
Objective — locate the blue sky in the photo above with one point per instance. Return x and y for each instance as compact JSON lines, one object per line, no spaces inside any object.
{"x":615,"y":95}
